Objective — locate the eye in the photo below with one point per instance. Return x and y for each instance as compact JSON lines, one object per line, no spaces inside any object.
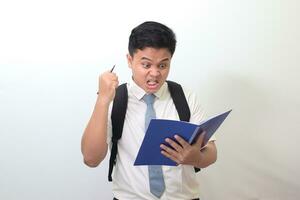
{"x":146,"y":65}
{"x":162,"y":66}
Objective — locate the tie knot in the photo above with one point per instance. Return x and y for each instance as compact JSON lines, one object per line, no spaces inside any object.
{"x":149,"y":99}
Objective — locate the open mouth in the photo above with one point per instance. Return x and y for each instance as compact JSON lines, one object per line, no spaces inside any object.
{"x":152,"y":84}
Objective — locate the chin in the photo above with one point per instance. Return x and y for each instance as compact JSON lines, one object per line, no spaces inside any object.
{"x":151,"y":91}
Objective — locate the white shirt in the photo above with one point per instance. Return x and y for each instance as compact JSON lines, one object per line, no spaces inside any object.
{"x":131,"y":182}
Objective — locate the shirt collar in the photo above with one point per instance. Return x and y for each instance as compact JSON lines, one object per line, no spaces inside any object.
{"x":139,"y":93}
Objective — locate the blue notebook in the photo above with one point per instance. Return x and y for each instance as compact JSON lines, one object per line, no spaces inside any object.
{"x":160,"y":129}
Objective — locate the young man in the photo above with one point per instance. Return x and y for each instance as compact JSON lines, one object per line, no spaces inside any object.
{"x":151,"y":47}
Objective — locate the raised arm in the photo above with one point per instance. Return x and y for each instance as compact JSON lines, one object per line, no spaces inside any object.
{"x":93,"y":143}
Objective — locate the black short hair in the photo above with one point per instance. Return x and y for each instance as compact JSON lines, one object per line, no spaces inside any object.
{"x":151,"y":34}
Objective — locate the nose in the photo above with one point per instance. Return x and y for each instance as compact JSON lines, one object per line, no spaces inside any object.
{"x":154,"y":72}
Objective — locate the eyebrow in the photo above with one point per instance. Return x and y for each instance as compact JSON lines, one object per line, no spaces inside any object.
{"x":145,"y":58}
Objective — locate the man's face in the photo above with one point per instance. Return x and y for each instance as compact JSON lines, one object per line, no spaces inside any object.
{"x":150,"y":67}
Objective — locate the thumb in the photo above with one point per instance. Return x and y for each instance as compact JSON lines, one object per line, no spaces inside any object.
{"x":200,"y":139}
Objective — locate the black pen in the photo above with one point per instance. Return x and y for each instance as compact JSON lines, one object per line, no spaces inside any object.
{"x":112,"y":69}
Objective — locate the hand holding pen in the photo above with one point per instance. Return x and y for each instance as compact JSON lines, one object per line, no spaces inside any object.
{"x":108,"y":82}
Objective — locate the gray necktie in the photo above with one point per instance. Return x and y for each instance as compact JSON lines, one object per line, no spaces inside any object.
{"x":156,"y":179}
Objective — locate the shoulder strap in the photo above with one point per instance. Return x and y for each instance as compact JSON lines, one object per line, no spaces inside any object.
{"x":117,"y":120}
{"x":181,"y":103}
{"x":179,"y":100}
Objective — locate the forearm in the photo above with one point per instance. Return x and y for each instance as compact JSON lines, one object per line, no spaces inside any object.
{"x":93,"y":144}
{"x":208,"y":155}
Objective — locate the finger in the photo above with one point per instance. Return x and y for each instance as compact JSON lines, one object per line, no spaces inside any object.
{"x":200,"y":139}
{"x":167,"y":149}
{"x":174,"y":144}
{"x":166,"y":154}
{"x":116,"y":84}
{"x":113,"y":76}
{"x":181,"y":141}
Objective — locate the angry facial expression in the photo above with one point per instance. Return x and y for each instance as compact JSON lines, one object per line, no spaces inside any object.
{"x":150,"y":67}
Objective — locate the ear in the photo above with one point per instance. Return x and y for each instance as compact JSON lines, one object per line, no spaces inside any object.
{"x":129,"y":60}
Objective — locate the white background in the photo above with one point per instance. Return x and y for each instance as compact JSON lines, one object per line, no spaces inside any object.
{"x":239,"y":54}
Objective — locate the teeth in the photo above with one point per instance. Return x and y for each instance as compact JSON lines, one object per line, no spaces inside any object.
{"x":152,"y":82}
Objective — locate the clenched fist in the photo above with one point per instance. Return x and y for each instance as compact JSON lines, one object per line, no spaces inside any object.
{"x":108,"y":82}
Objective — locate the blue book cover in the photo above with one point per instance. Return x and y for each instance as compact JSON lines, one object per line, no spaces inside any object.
{"x":160,"y":129}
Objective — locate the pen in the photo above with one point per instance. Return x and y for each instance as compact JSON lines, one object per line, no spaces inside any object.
{"x":112,"y":69}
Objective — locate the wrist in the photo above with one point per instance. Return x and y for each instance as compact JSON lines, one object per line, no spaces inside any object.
{"x":103,"y":101}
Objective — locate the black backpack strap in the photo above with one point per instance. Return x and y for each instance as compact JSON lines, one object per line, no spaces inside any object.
{"x":179,"y":100}
{"x":181,"y":103}
{"x":117,"y":121}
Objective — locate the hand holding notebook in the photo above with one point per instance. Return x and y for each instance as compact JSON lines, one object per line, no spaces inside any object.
{"x":160,"y":129}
